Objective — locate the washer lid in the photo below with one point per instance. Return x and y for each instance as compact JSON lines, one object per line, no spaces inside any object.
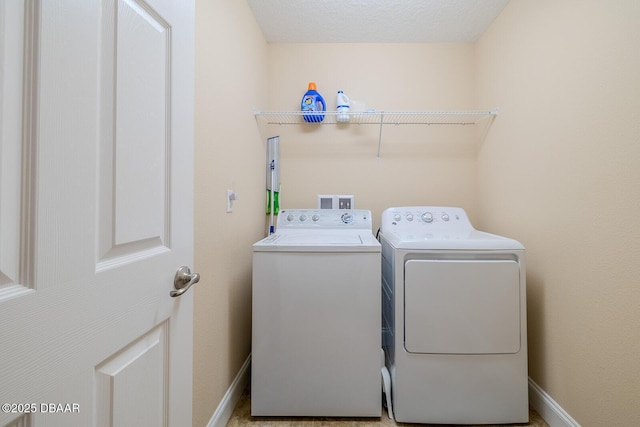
{"x":319,"y":240}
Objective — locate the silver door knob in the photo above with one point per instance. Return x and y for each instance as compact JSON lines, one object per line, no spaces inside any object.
{"x":183,"y":280}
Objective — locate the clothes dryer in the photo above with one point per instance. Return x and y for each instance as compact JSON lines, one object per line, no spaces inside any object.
{"x":316,"y":339}
{"x":454,"y":319}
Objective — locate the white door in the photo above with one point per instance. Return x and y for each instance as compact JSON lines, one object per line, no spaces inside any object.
{"x":96,"y":151}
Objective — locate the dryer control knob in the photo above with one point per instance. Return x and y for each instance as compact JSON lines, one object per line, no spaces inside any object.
{"x":445,"y":217}
{"x":409,"y":217}
{"x":397,"y":217}
{"x":303,"y":218}
{"x":427,"y":217}
{"x":346,"y":218}
{"x":315,"y":218}
{"x":290,"y":217}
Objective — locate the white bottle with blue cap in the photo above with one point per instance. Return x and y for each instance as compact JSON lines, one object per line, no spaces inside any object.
{"x":342,"y":105}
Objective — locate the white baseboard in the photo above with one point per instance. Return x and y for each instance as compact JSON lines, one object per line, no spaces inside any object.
{"x":548,"y":408}
{"x":539,"y":400}
{"x":223,"y":412}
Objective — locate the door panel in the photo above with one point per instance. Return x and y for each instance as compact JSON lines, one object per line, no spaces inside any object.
{"x":102,"y":150}
{"x":12,"y":17}
{"x":142,"y":55}
{"x":140,"y":369}
{"x":462,"y":306}
{"x":135,"y":137}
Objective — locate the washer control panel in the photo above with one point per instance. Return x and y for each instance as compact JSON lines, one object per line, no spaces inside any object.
{"x":427,"y":219}
{"x":324,"y":218}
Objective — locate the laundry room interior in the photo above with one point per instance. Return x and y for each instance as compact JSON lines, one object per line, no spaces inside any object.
{"x":552,"y":163}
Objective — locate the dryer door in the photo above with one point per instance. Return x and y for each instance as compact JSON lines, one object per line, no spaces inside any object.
{"x":462,"y":306}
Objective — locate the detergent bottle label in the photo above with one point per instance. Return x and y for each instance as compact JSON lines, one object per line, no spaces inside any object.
{"x":309,"y":103}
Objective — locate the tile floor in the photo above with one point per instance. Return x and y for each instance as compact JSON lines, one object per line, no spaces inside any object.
{"x":241,"y":417}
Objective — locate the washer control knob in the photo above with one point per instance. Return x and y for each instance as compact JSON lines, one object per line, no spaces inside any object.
{"x":315,"y":218}
{"x":290,"y":217}
{"x":427,"y":217}
{"x":409,"y":217}
{"x":303,"y":218}
{"x":346,"y":218}
{"x":397,"y":217}
{"x":445,"y":217}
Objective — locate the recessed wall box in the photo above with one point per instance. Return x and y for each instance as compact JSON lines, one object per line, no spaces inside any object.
{"x":325,"y":201}
{"x":333,"y":201}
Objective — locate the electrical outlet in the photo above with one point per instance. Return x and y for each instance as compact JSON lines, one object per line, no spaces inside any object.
{"x":345,"y":202}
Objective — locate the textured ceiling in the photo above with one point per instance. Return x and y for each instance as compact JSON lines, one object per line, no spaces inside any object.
{"x":374,"y":21}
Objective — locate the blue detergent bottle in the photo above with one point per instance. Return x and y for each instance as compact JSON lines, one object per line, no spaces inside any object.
{"x":312,"y":103}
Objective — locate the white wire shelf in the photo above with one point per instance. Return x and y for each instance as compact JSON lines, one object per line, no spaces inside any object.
{"x":379,"y":117}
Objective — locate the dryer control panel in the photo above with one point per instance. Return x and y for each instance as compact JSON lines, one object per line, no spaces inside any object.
{"x":425,"y":219}
{"x":299,"y":219}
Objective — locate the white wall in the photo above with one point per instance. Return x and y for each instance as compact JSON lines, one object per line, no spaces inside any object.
{"x":560,"y":171}
{"x":419,"y":164}
{"x":231,"y":59}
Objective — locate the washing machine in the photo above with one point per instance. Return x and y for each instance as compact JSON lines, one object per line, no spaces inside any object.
{"x":454,"y":319}
{"x":316,"y":339}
